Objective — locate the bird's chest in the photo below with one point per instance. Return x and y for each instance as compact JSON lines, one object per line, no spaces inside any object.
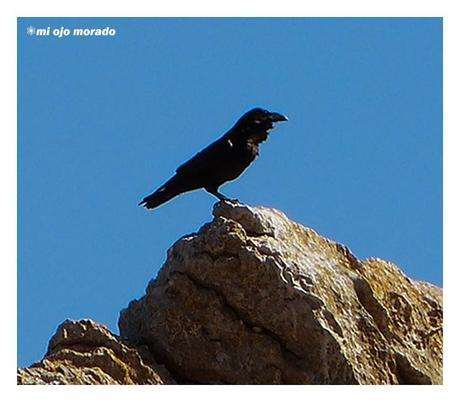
{"x":237,"y":158}
{"x":244,"y":153}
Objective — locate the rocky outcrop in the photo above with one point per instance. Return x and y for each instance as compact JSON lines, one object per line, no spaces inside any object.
{"x":255,"y":298}
{"x":84,"y":352}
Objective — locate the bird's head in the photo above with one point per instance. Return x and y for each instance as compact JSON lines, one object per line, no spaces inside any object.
{"x":256,"y":123}
{"x":259,"y":116}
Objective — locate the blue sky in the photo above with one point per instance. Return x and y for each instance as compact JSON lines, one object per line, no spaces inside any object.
{"x":104,"y":120}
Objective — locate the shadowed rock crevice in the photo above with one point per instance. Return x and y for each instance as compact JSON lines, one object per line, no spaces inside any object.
{"x":408,"y":374}
{"x":371,"y":305}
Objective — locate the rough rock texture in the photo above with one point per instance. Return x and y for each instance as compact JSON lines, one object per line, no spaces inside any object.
{"x":84,"y":352}
{"x":254,"y":298}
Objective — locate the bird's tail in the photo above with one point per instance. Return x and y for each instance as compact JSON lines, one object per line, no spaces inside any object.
{"x":167,"y":191}
{"x":157,"y":198}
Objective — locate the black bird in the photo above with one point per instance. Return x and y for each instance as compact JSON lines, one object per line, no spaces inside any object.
{"x":223,"y":160}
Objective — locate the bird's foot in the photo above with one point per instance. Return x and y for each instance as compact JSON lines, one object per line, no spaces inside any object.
{"x":230,"y":200}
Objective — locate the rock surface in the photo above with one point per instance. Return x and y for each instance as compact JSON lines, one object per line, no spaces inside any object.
{"x":254,"y":298}
{"x":84,"y":352}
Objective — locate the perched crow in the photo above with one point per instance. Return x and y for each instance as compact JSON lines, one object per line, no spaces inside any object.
{"x":222,"y":161}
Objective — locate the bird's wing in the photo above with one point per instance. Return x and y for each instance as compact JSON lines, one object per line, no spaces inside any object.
{"x":206,"y":159}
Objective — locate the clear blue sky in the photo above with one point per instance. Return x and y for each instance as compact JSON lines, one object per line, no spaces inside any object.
{"x":105,"y":120}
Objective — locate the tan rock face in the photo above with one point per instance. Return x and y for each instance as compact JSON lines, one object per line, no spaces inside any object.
{"x":84,"y":352}
{"x":254,"y":298}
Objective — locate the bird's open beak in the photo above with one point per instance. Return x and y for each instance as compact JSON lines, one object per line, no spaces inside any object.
{"x":277,"y":117}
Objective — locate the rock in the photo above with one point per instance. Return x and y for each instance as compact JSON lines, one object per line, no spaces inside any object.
{"x":254,"y":298}
{"x":84,"y":352}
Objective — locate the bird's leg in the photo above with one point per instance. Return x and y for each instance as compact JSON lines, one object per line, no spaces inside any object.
{"x":220,"y":196}
{"x":215,"y":192}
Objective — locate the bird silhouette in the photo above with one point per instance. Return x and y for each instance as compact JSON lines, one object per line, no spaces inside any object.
{"x":222,"y":161}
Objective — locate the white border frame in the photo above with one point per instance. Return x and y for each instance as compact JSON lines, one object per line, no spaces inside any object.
{"x":243,"y":8}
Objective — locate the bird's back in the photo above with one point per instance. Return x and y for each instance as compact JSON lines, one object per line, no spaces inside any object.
{"x":221,"y":161}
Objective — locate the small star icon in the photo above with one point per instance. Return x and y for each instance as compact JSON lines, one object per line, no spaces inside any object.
{"x":30,"y":30}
